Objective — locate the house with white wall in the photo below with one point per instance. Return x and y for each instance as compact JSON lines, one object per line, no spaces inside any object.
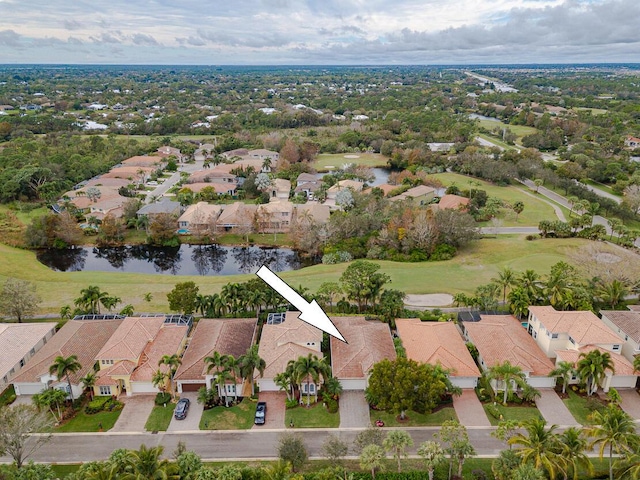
{"x":626,"y":324}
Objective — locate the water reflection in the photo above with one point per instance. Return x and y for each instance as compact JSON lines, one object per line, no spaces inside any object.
{"x":183,"y":260}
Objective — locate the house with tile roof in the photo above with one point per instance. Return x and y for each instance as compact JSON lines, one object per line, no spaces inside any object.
{"x":626,"y":324}
{"x":287,"y":339}
{"x":274,"y":217}
{"x":227,"y":336}
{"x":129,"y":359}
{"x":354,"y":185}
{"x":501,"y":338}
{"x":18,"y":343}
{"x":311,"y":212}
{"x":279,"y":190}
{"x":219,"y":188}
{"x":144,"y":161}
{"x":200,"y":218}
{"x":419,"y":195}
{"x":84,"y":338}
{"x":164,"y":206}
{"x":237,"y":216}
{"x":439,"y":343}
{"x":369,"y":342}
{"x":213,"y":176}
{"x":452,"y":202}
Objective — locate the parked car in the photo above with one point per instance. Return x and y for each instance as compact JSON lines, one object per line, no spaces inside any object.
{"x":261,"y":413}
{"x":181,"y":409}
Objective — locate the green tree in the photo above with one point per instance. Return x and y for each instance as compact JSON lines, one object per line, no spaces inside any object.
{"x":565,"y":371}
{"x":189,"y":464}
{"x":291,"y":449}
{"x":146,"y":463}
{"x":457,"y":444}
{"x":173,"y":362}
{"x":90,"y":299}
{"x":63,"y":367}
{"x":53,"y":399}
{"x":432,"y":455}
{"x":592,"y":368}
{"x":362,"y":283}
{"x":159,"y":380}
{"x":249,"y":363}
{"x":506,"y":279}
{"x":88,"y":382}
{"x":183,"y":297}
{"x":503,"y":466}
{"x":372,"y":458}
{"x":506,"y":375}
{"x":505,"y":430}
{"x":17,"y":424}
{"x":527,"y":471}
{"x":540,"y":446}
{"x":334,"y":448}
{"x":327,"y":293}
{"x":310,"y":368}
{"x":573,"y":446}
{"x":612,"y":293}
{"x":518,"y":208}
{"x":397,"y":442}
{"x":18,"y":299}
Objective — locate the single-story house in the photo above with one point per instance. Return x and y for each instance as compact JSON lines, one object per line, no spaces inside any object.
{"x":238,"y":152}
{"x":311,"y":212}
{"x":213,"y":176}
{"x":165,"y":205}
{"x":200,"y":218}
{"x":219,"y":188}
{"x":228,"y":336}
{"x":285,"y":337}
{"x":167,"y":151}
{"x":501,"y":338}
{"x":18,"y":343}
{"x":144,"y":161}
{"x":452,"y":202}
{"x":129,"y":359}
{"x":632,"y":142}
{"x":204,"y":151}
{"x":354,"y":185}
{"x":83,"y":338}
{"x":134,"y":174}
{"x":439,"y":343}
{"x":626,"y":323}
{"x":263,"y":154}
{"x":420,"y":195}
{"x":369,"y":343}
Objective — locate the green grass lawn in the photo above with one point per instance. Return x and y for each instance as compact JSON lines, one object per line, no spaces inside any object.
{"x":238,"y":417}
{"x":9,"y":395}
{"x":90,"y":423}
{"x":577,"y":405}
{"x":268,"y":239}
{"x":414,"y":419}
{"x":603,"y":187}
{"x":336,"y":160}
{"x":516,"y":413}
{"x":315,"y":416}
{"x":495,"y":141}
{"x":160,"y":418}
{"x":519,"y":130}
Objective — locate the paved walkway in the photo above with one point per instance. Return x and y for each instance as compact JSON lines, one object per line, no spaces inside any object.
{"x":135,"y":413}
{"x":275,"y":409}
{"x":469,"y":409}
{"x":553,"y":409}
{"x":192,"y":422}
{"x":630,"y":402}
{"x":354,"y":410}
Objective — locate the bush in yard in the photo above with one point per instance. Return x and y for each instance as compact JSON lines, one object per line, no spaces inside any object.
{"x":291,"y":403}
{"x":332,"y":406}
{"x":162,"y":398}
{"x":493,"y":411}
{"x":96,"y":405}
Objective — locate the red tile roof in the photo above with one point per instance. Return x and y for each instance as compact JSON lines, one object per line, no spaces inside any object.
{"x":583,"y":326}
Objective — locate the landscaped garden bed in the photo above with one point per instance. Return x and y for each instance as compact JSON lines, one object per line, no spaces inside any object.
{"x":516,"y":412}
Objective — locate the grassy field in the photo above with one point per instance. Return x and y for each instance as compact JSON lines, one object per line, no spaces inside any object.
{"x":519,"y":414}
{"x":414,"y":419}
{"x":90,"y":423}
{"x":519,"y":130}
{"x":325,"y":161}
{"x":238,"y":417}
{"x":315,"y":416}
{"x":473,"y":266}
{"x":160,"y":418}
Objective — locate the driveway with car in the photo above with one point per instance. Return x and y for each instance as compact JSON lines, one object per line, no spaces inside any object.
{"x":192,"y":422}
{"x":275,"y":409}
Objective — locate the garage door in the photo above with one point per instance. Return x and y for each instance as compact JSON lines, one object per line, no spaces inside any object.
{"x":192,"y":387}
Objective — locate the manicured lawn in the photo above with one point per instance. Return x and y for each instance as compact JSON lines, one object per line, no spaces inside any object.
{"x":577,"y":405}
{"x":336,"y":160}
{"x":269,"y":239}
{"x":414,"y":419}
{"x":90,"y":423}
{"x":160,"y":418}
{"x":238,"y":417}
{"x":493,"y":140}
{"x":516,"y":413}
{"x":315,"y":416}
{"x":9,"y":394}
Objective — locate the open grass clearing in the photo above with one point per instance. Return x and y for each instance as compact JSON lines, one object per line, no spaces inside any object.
{"x":495,"y":141}
{"x":238,"y":417}
{"x":517,"y":413}
{"x":90,"y":423}
{"x":159,"y":418}
{"x":414,"y":419}
{"x":315,"y":416}
{"x":519,"y":130}
{"x":474,"y":265}
{"x":334,"y":161}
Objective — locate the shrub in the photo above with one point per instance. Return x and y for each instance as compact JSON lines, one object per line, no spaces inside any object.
{"x":290,"y":403}
{"x":337,"y":257}
{"x":98,"y":404}
{"x":332,"y":406}
{"x":162,"y":398}
{"x":532,"y":237}
{"x":443,"y":252}
{"x":493,"y":411}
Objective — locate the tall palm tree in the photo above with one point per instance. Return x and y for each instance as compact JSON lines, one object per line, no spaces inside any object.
{"x":221,"y":381}
{"x":519,"y":302}
{"x":508,"y":374}
{"x":592,"y":368}
{"x":249,"y":363}
{"x":63,"y":367}
{"x":613,"y":429}
{"x":506,"y":279}
{"x":372,"y":458}
{"x":145,"y":463}
{"x":90,"y":299}
{"x":531,"y":283}
{"x":310,"y":368}
{"x":89,"y":381}
{"x":612,"y":293}
{"x":283,"y":382}
{"x":572,"y":448}
{"x":159,"y":380}
{"x":564,"y":371}
{"x":173,"y":362}
{"x":539,"y":446}
{"x":397,"y":442}
{"x":432,"y":455}
{"x":232,"y":366}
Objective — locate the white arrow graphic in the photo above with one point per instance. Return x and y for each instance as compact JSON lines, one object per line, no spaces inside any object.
{"x":311,"y":313}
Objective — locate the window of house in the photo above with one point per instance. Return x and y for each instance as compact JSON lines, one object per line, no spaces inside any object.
{"x":5,"y":379}
{"x":105,"y":390}
{"x":21,"y":362}
{"x":535,"y":334}
{"x":554,"y":335}
{"x":572,"y":340}
{"x":616,"y":348}
{"x":33,"y":351}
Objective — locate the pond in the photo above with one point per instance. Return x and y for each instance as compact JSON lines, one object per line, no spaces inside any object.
{"x":183,"y":260}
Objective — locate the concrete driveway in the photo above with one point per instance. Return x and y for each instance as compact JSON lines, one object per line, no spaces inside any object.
{"x":469,"y":409}
{"x":135,"y":413}
{"x":275,"y":409}
{"x":553,"y":409}
{"x":192,"y":422}
{"x":630,"y":402}
{"x":354,"y":410}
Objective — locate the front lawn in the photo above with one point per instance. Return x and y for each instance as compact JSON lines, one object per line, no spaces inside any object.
{"x":517,"y":413}
{"x":160,"y":418}
{"x":90,"y":423}
{"x":238,"y":417}
{"x":315,"y":416}
{"x":414,"y":419}
{"x":578,"y":406}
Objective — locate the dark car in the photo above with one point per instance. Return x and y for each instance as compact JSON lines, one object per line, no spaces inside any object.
{"x":181,"y":409}
{"x":261,"y":413}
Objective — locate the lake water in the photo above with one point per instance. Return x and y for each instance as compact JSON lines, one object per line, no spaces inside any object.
{"x":183,"y":260}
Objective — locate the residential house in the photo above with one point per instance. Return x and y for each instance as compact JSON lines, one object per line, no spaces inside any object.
{"x":279,"y":190}
{"x":199,"y":218}
{"x":144,"y":161}
{"x":205,"y":151}
{"x":237,"y":217}
{"x":99,"y":205}
{"x":213,"y":176}
{"x":238,"y":152}
{"x":632,"y":142}
{"x":452,"y":202}
{"x":129,"y":359}
{"x":219,"y":188}
{"x":83,"y":338}
{"x":18,"y":343}
{"x":274,"y":217}
{"x":385,"y":187}
{"x":263,"y":154}
{"x":228,"y":336}
{"x":369,"y":342}
{"x":285,"y":337}
{"x":108,"y":182}
{"x":311,"y":213}
{"x":420,"y":195}
{"x":354,"y":185}
{"x":132,"y":173}
{"x":626,"y":323}
{"x":308,"y":184}
{"x":244,"y":164}
{"x":167,"y":151}
{"x":501,"y":338}
{"x":439,"y":343}
{"x":165,"y":205}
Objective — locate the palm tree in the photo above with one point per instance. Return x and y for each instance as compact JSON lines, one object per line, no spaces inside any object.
{"x":432,"y":455}
{"x":592,"y":368}
{"x":636,"y":364}
{"x":519,"y":302}
{"x":397,"y":442}
{"x":508,"y":374}
{"x":173,"y":362}
{"x":613,"y":429}
{"x":573,"y":446}
{"x":232,"y":365}
{"x":221,"y":381}
{"x":214,"y":361}
{"x":146,"y":464}
{"x":90,"y":299}
{"x":159,"y":380}
{"x":530,"y":281}
{"x":612,"y":293}
{"x":506,"y":278}
{"x":249,"y":363}
{"x":63,"y":367}
{"x":333,"y":387}
{"x":372,"y":458}
{"x":283,"y":381}
{"x":89,"y":381}
{"x":564,"y":370}
{"x":310,"y":368}
{"x":539,"y":446}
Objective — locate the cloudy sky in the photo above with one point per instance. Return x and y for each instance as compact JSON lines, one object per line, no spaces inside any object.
{"x":325,"y":32}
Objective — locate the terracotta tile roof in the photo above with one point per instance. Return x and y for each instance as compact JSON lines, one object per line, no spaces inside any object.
{"x":143,"y":161}
{"x":437,"y":342}
{"x":369,"y":342}
{"x":121,"y":368}
{"x":228,"y":336}
{"x":83,"y":338}
{"x":201,"y":213}
{"x":287,"y":341}
{"x":108,"y":182}
{"x":621,"y":365}
{"x":167,"y":342}
{"x":583,"y":326}
{"x":218,"y":187}
{"x":131,"y":338}
{"x":237,"y":213}
{"x":312,"y":211}
{"x":499,"y":338}
{"x":454,"y":202}
{"x":17,"y":340}
{"x":626,"y":320}
{"x":418,"y":191}
{"x":354,"y":184}
{"x":634,"y":308}
{"x":127,"y":172}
